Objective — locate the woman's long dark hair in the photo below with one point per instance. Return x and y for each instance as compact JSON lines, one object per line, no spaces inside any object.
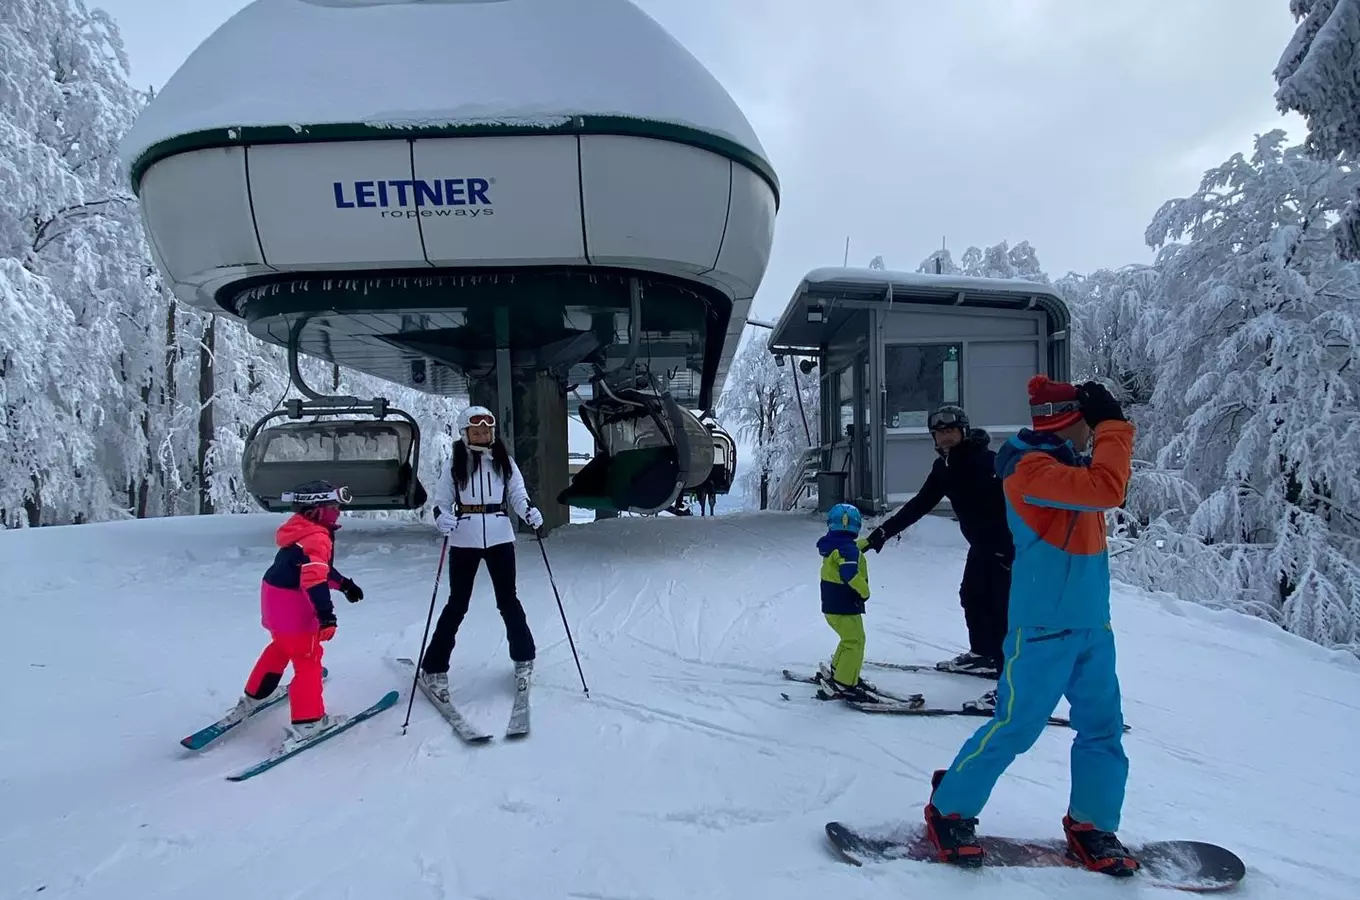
{"x":500,"y":461}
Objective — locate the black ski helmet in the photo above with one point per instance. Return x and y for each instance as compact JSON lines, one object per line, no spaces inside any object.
{"x":313,"y":494}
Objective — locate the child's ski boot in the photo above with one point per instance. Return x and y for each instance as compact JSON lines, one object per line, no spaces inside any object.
{"x":299,"y":733}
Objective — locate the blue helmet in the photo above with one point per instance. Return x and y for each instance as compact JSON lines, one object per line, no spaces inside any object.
{"x":843,"y":517}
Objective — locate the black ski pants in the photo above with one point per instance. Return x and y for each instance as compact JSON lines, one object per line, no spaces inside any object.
{"x":463,"y":565}
{"x":985,"y":595}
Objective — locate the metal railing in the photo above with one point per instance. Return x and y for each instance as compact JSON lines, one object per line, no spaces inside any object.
{"x":798,"y":482}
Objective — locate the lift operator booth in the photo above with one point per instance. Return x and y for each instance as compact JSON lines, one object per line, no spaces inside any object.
{"x":890,"y":347}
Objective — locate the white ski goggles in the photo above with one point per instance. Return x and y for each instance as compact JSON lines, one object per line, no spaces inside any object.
{"x":339,"y":495}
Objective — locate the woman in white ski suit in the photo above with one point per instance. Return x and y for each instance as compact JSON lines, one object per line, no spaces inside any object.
{"x":472,"y":509}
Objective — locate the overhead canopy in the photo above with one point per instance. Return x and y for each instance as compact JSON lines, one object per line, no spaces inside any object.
{"x":827,"y":297}
{"x":280,"y":69}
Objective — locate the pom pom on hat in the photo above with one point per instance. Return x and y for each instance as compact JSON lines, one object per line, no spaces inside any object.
{"x":1053,"y":405}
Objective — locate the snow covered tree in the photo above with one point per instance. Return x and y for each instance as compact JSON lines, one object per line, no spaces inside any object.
{"x":1319,"y":77}
{"x":72,"y":274}
{"x":775,"y":409}
{"x":1256,"y":394}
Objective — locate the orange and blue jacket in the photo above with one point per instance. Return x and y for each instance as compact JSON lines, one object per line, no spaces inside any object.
{"x":1055,"y":506}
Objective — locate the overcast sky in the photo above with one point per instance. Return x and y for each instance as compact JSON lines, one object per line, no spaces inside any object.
{"x":899,"y":123}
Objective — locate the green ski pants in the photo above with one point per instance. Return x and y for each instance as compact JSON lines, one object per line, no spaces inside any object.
{"x":849,"y":656}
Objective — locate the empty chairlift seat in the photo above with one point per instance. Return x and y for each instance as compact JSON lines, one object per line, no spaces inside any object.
{"x":376,"y":460}
{"x":652,"y":451}
{"x":724,"y":467}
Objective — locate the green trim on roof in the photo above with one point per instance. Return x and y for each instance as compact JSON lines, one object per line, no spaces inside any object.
{"x":307,"y":134}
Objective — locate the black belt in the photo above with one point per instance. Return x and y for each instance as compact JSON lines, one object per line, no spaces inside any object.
{"x":485,"y":509}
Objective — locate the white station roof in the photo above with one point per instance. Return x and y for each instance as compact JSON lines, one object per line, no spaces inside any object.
{"x":426,"y":64}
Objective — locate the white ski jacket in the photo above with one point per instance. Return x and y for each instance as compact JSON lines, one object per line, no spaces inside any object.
{"x":485,"y":488}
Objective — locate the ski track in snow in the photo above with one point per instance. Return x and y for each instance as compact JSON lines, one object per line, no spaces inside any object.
{"x":684,"y":774}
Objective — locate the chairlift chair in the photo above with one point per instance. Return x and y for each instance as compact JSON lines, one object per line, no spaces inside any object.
{"x":651,"y":451}
{"x":377,"y":460}
{"x":724,"y":468}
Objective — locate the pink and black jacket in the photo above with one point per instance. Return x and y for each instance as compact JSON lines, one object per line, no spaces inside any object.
{"x":295,"y":595}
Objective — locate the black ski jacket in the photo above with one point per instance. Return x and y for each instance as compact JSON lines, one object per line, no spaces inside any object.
{"x":967,"y":476}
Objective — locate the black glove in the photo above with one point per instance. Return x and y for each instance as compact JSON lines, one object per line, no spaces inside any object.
{"x":353,"y":593}
{"x":877,"y":539}
{"x":1097,"y":404}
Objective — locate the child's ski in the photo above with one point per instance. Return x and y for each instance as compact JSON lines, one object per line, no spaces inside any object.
{"x":518,"y":726}
{"x":264,"y":765}
{"x":205,"y":736}
{"x":465,"y":730}
{"x":916,"y":699}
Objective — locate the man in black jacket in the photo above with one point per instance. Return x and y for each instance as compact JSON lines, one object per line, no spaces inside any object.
{"x":966,"y":474}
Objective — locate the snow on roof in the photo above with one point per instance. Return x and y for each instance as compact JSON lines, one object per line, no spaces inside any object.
{"x":923,"y":280}
{"x":423,"y":63}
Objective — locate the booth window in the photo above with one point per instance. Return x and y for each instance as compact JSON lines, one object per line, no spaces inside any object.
{"x":845,"y":401}
{"x":920,"y":378}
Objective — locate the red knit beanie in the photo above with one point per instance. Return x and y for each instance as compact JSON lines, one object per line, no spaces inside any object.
{"x":1052,"y":404}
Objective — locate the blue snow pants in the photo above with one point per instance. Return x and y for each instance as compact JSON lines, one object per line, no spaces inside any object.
{"x":1041,"y":665}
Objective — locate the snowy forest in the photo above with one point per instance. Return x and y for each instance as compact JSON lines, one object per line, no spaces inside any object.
{"x":1233,"y":350}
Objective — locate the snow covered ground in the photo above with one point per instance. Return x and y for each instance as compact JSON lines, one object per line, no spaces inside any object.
{"x":683,"y":775}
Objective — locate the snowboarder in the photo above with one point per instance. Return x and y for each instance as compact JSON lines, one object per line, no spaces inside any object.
{"x":845,"y":588}
{"x":966,"y":473}
{"x":1060,"y":641}
{"x":472,"y":503}
{"x":296,"y":608}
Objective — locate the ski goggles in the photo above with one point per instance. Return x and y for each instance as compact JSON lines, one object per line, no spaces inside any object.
{"x":482,"y":419}
{"x":339,"y":495}
{"x":945,"y":419}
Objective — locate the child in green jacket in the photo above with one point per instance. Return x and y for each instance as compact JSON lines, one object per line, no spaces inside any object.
{"x":845,"y":588}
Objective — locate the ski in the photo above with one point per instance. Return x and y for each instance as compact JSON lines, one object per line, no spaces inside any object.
{"x":1181,"y":865}
{"x":205,"y":736}
{"x":904,"y":709}
{"x":518,"y":726}
{"x":913,"y":699}
{"x":938,"y":668}
{"x":465,"y":730}
{"x":286,"y":752}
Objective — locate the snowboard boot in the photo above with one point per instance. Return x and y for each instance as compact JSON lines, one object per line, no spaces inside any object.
{"x":436,"y":685}
{"x":302,"y":732}
{"x":1099,"y":851}
{"x":971,"y":663}
{"x":987,"y":702}
{"x":952,"y":836}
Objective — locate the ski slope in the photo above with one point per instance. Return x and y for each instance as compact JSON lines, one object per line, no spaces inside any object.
{"x":683,"y":775}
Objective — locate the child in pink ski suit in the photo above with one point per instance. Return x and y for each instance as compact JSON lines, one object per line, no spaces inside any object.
{"x":295,"y":606}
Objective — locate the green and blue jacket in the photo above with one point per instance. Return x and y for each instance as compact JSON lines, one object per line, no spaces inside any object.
{"x":845,"y":573}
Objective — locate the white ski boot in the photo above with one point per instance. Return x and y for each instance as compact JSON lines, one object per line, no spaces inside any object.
{"x":437,"y":684}
{"x":524,"y":671}
{"x":301,"y":732}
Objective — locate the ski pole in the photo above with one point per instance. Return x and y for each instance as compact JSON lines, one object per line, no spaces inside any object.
{"x":439,"y":573}
{"x":562,"y":611}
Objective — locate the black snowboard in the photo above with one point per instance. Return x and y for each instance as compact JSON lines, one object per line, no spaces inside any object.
{"x":1181,"y":865}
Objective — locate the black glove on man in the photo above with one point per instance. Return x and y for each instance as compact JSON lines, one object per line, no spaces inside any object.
{"x":877,"y":539}
{"x":353,"y":593}
{"x":1097,"y":404}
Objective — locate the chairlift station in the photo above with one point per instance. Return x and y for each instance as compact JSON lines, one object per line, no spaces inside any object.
{"x":891,"y":347}
{"x":564,"y":204}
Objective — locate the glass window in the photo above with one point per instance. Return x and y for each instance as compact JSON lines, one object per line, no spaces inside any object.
{"x":845,"y":401}
{"x":920,"y":378}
